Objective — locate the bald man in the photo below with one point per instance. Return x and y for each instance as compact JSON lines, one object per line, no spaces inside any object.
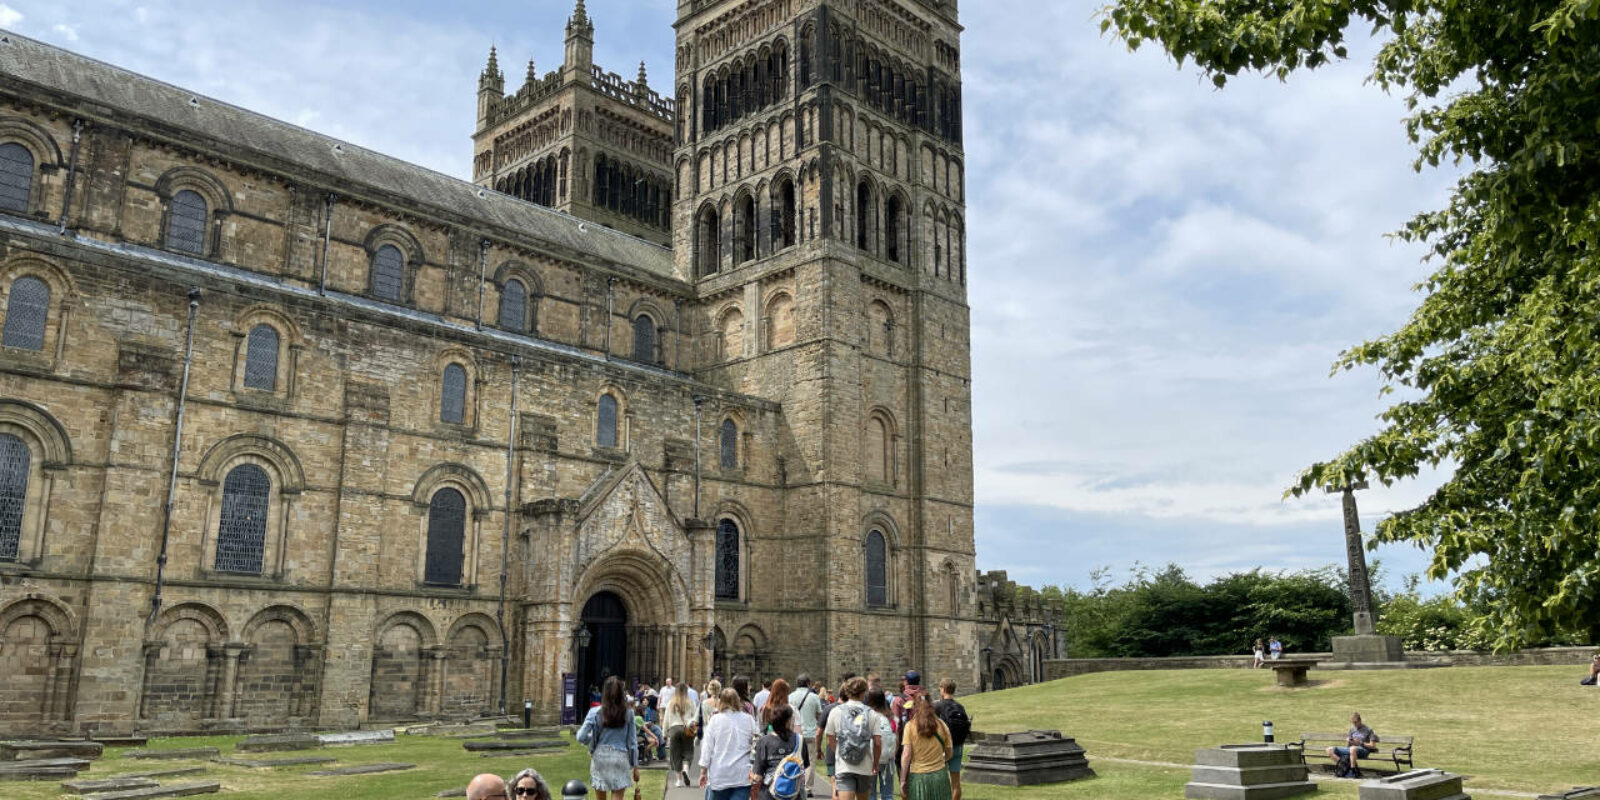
{"x":487,"y":787}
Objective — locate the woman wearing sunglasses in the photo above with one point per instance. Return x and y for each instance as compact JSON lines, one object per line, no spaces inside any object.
{"x":529,"y":785}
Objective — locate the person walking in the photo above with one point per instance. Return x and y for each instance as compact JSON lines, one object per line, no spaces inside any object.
{"x":679,"y":715}
{"x":1261,"y":654}
{"x":708,"y":707}
{"x":612,"y":737}
{"x":741,"y":684}
{"x":761,"y":698}
{"x":852,"y":731}
{"x":808,"y":712}
{"x":725,"y":756}
{"x":883,"y":787}
{"x":779,"y":742}
{"x":777,"y":697}
{"x":925,"y":751}
{"x":955,"y":719}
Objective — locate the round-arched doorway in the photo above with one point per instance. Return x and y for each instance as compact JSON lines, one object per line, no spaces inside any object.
{"x":606,"y":618}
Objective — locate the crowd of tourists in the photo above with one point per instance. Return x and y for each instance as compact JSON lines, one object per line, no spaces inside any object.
{"x":860,"y":741}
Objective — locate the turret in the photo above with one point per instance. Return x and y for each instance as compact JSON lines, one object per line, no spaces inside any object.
{"x":580,"y":45}
{"x":641,"y":87}
{"x":491,"y":86}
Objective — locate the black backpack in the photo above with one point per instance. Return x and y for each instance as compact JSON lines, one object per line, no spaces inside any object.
{"x":955,"y":718}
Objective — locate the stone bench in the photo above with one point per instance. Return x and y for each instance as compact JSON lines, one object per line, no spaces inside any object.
{"x":1422,"y":784}
{"x":1026,"y":758}
{"x":1248,"y":772}
{"x":1291,"y":672}
{"x":29,"y":751}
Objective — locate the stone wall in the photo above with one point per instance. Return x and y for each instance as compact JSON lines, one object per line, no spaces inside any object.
{"x":1069,"y":667}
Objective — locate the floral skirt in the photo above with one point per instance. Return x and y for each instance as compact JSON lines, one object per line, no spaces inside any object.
{"x":609,"y":770}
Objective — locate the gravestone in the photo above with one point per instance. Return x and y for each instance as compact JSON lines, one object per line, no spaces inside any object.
{"x":363,"y":769}
{"x":1580,"y":793}
{"x":352,"y":738}
{"x":1025,"y":758}
{"x":1422,"y":784}
{"x":108,"y":785}
{"x":278,"y":743}
{"x":169,"y":772}
{"x":198,"y":753}
{"x":30,"y":751}
{"x":265,"y":763}
{"x":1248,"y":772}
{"x":44,"y":769}
{"x":491,"y":745}
{"x":172,"y":790}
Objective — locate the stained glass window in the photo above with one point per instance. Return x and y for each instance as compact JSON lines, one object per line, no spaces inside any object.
{"x":644,"y":339}
{"x":242,"y":533}
{"x":730,"y":444}
{"x":606,"y":425}
{"x":27,"y":310}
{"x":388,"y":273}
{"x":261,"y":358}
{"x":447,"y":524}
{"x":16,"y":177}
{"x":15,"y":461}
{"x":186,"y":223}
{"x":877,"y":570}
{"x":727,"y":560}
{"x":514,"y":306}
{"x":453,"y":400}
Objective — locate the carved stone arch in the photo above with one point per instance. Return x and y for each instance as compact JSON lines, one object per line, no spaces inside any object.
{"x":218,"y":199}
{"x":62,"y":622}
{"x":46,"y":432}
{"x":648,"y":305}
{"x":422,"y":625}
{"x":225,"y":452}
{"x":475,"y":619}
{"x":729,"y":325}
{"x":46,"y":151}
{"x":257,"y":314}
{"x":215,"y":625}
{"x":305,"y":630}
{"x":402,"y":238}
{"x":650,"y":589}
{"x":458,"y":476}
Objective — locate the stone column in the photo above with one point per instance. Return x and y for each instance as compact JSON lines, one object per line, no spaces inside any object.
{"x":227,"y":685}
{"x":438,"y":655}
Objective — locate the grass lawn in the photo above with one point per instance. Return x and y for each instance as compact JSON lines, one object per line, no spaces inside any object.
{"x":1523,"y":728}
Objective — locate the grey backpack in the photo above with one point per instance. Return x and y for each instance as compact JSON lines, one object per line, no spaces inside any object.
{"x":854,"y":737}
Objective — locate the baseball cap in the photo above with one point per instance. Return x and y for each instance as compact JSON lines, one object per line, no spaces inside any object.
{"x":913,"y":677}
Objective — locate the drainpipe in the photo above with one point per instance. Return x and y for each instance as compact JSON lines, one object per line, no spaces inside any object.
{"x":611,"y":292}
{"x":72,"y":173}
{"x":699,"y":402}
{"x":177,"y":446}
{"x":327,"y":235}
{"x":505,"y":541}
{"x":483,"y":275}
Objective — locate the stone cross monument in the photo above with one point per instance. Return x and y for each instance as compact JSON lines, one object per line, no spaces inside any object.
{"x":1366,"y":648}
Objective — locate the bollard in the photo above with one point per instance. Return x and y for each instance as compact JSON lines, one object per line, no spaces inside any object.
{"x":1266,"y":732}
{"x":527,"y":714}
{"x":574,"y":790}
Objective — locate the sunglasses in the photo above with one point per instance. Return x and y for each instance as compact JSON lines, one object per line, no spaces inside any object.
{"x":527,"y":791}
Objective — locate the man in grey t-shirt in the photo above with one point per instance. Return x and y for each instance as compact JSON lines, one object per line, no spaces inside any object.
{"x":808,"y":710}
{"x":1359,"y":743}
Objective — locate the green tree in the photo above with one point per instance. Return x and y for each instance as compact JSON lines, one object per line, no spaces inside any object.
{"x":1501,"y":360}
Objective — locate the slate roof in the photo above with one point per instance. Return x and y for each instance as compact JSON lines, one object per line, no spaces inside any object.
{"x":60,"y":71}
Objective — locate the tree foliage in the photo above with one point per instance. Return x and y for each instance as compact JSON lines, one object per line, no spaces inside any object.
{"x":1167,"y":614}
{"x":1502,"y":356}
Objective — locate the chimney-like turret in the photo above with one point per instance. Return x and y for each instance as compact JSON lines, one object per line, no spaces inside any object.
{"x":491,"y":86}
{"x":580,"y":46}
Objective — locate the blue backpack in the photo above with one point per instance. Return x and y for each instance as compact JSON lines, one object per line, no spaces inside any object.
{"x":788,"y":779}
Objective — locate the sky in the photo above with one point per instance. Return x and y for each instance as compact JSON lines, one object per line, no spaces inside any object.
{"x":1161,"y":274}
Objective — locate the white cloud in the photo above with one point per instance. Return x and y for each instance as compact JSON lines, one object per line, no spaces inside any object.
{"x":9,"y":17}
{"x":67,"y":32}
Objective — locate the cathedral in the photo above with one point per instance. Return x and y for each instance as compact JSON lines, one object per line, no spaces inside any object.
{"x":295,"y":434}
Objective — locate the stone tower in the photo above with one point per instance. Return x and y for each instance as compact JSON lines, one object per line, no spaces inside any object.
{"x":819,"y":212}
{"x":579,"y":139}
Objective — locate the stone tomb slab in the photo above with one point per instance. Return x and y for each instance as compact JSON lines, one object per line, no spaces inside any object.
{"x":47,"y":769}
{"x":279,"y":743}
{"x":529,"y":733}
{"x":489,"y":745}
{"x":1291,"y":672}
{"x":169,"y":772}
{"x":1024,"y":758}
{"x":363,"y":769}
{"x":31,"y":751}
{"x":1422,"y":784}
{"x":196,"y":753}
{"x":1248,"y":772}
{"x":266,"y":763}
{"x":353,"y":738}
{"x":1580,"y":793}
{"x":108,"y":785}
{"x":170,"y":790}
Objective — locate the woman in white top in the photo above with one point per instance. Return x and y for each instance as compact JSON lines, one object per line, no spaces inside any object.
{"x":679,"y":716}
{"x":884,"y":787}
{"x":725,"y":754}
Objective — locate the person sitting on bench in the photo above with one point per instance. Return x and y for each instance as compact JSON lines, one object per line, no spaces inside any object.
{"x":1358,"y":745}
{"x":1594,"y":672}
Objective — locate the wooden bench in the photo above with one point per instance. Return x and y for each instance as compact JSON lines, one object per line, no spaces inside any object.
{"x":1394,"y":750}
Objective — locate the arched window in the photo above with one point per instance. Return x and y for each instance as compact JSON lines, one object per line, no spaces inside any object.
{"x":877,"y":460}
{"x":877,"y":569}
{"x":242,"y":534}
{"x":605,"y":429}
{"x":27,"y":309}
{"x":15,"y":464}
{"x":708,"y":248}
{"x":453,"y":395}
{"x":514,"y":306}
{"x":744,"y":229}
{"x":447,"y":526}
{"x":866,"y":214}
{"x":727,"y":560}
{"x":261,"y":358}
{"x":644,"y":339}
{"x":186,"y":223}
{"x":892,"y":225}
{"x":730,"y":444}
{"x":786,"y":218}
{"x":16,"y":177}
{"x":388,"y":273}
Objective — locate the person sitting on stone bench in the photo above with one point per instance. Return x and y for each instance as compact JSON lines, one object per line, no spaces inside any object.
{"x":1594,"y":672}
{"x":1359,"y":744}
